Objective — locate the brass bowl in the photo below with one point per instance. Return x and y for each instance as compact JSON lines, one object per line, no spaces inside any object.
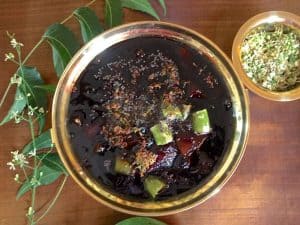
{"x":215,"y":180}
{"x":264,"y":18}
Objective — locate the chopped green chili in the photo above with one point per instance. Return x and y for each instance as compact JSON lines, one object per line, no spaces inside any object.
{"x":200,"y":120}
{"x":153,"y":185}
{"x":122,"y":166}
{"x":161,"y":133}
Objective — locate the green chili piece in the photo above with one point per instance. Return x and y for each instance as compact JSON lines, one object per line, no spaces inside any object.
{"x":161,"y":133}
{"x":122,"y":166}
{"x":200,"y":120}
{"x":153,"y":185}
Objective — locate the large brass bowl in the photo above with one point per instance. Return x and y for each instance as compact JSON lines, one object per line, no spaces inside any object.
{"x":227,"y":164}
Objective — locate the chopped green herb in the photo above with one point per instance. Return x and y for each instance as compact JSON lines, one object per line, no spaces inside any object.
{"x":122,"y":166}
{"x":200,"y":120}
{"x":271,"y":56}
{"x":153,"y":185}
{"x":161,"y":133}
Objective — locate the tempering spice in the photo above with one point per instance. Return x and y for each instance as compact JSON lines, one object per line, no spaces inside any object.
{"x":271,"y":56}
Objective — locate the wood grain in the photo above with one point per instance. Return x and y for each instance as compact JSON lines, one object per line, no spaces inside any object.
{"x":265,"y":188}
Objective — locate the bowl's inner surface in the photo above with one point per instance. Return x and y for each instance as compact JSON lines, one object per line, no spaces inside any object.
{"x":122,"y":90}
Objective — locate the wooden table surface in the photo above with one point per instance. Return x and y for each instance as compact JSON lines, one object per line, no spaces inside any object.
{"x":266,"y":186}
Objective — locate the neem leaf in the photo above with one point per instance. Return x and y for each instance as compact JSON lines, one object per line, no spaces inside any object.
{"x":32,"y":78}
{"x":140,"y":221}
{"x":45,"y":176}
{"x":163,"y":5}
{"x":42,"y":122}
{"x":89,"y":23}
{"x":17,"y":107}
{"x":49,"y":88}
{"x":26,"y":186}
{"x":64,"y":45}
{"x":113,"y":13}
{"x":140,"y":5}
{"x":41,"y":142}
{"x":52,"y":161}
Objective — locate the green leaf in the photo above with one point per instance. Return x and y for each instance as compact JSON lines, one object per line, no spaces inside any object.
{"x":42,"y":122}
{"x":113,"y":13}
{"x":163,"y":5}
{"x":59,"y":62}
{"x":26,"y":186}
{"x":16,"y":108}
{"x":140,"y":5}
{"x":64,"y":45}
{"x":49,"y":88}
{"x":52,"y":161}
{"x":31,"y":78}
{"x":41,"y":142}
{"x":140,"y":221}
{"x":89,"y":23}
{"x":45,"y":176}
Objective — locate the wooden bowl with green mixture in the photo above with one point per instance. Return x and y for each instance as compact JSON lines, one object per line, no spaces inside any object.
{"x":266,"y":54}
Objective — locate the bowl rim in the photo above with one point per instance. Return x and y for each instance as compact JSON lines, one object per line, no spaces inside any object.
{"x":60,"y":136}
{"x":255,"y":21}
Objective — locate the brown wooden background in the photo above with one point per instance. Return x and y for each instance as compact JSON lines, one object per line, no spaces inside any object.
{"x":264,"y":190}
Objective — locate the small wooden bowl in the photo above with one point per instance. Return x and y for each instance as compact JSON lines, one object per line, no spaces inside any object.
{"x":260,"y":19}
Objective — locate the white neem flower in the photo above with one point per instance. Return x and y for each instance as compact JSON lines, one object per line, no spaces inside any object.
{"x":18,"y":159}
{"x":9,"y":56}
{"x":35,"y":182}
{"x":11,"y":166}
{"x":32,"y":154}
{"x":17,"y":178}
{"x":17,"y":118}
{"x":30,"y":211}
{"x":30,"y":113}
{"x":15,"y":44}
{"x":16,"y":80}
{"x":41,"y":110}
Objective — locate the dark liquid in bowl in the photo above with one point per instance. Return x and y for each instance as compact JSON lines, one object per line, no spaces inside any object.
{"x":118,"y":98}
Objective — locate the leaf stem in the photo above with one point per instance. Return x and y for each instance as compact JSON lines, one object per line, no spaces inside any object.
{"x":41,"y":159}
{"x":33,"y":50}
{"x":33,"y":193}
{"x":31,"y":126}
{"x":14,"y":61}
{"x":54,"y":199}
{"x":71,"y":15}
{"x":25,"y":174}
{"x":67,"y":18}
{"x":90,"y":3}
{"x":42,"y":39}
{"x":5,"y":94}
